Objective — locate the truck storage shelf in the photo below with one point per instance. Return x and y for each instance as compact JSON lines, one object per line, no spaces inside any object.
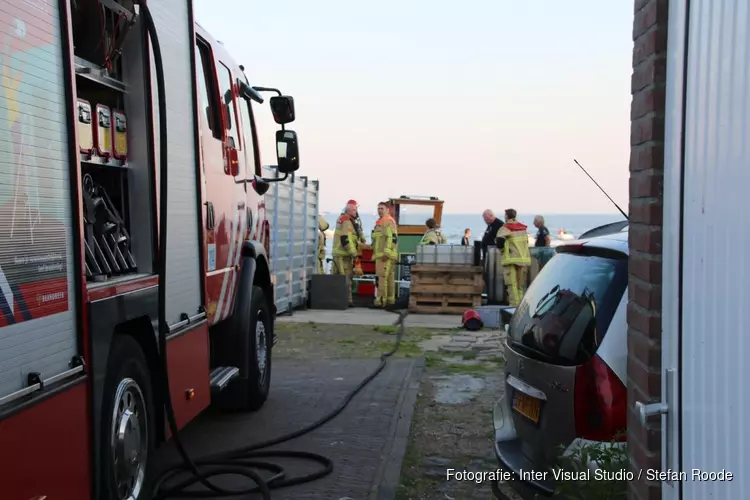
{"x":91,"y":71}
{"x":103,"y":165}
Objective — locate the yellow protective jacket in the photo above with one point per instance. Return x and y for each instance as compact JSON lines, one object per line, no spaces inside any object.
{"x":433,"y":237}
{"x":514,"y":241}
{"x":344,"y":238}
{"x":385,"y":239}
{"x":322,"y":228}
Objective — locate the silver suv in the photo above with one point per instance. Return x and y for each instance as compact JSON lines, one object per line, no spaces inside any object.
{"x":566,"y":361}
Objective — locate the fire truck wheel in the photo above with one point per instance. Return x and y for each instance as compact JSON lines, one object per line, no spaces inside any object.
{"x":261,"y":333}
{"x":127,"y":421}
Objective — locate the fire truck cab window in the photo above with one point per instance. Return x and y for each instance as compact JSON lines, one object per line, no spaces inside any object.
{"x":228,"y":99}
{"x":248,"y":134}
{"x":206,"y":88}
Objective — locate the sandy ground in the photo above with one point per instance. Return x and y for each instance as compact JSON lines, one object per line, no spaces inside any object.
{"x":452,"y":426}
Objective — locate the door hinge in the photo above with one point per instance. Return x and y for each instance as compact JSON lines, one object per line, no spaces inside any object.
{"x":210,"y":218}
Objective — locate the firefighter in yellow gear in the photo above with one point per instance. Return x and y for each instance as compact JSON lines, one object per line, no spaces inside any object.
{"x":385,"y":254}
{"x":323,"y":226}
{"x":513,"y":243}
{"x":433,"y":236}
{"x":345,"y":247}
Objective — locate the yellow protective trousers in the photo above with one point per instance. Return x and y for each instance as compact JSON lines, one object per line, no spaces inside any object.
{"x":515,"y":282}
{"x":386,"y":293}
{"x":345,"y":266}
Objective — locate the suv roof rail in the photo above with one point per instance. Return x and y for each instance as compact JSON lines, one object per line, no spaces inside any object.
{"x":611,"y":228}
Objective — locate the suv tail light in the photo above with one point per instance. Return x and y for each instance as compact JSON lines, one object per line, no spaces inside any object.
{"x":601,"y":402}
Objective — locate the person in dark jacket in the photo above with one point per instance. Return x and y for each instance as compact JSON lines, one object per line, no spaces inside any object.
{"x":493,"y":226}
{"x":542,"y":234}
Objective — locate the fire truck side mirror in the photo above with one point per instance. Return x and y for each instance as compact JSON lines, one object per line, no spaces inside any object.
{"x":282,"y":108}
{"x":287,"y":153}
{"x":260,"y":185}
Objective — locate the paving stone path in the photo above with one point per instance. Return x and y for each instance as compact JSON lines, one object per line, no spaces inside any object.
{"x":487,"y":344}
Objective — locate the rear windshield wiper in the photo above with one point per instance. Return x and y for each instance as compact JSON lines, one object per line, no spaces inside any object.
{"x":531,"y":352}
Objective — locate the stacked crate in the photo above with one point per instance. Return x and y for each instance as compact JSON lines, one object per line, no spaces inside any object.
{"x":445,"y":280}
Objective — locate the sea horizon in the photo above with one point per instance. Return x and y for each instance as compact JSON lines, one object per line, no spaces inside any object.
{"x":454,"y":224}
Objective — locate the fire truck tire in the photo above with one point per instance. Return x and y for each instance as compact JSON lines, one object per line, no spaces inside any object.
{"x":261,"y":341}
{"x":127,"y":422}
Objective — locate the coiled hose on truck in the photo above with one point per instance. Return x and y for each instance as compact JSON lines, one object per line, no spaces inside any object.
{"x":242,"y":461}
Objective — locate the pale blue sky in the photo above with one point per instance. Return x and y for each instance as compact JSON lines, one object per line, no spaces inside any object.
{"x":482,"y":103}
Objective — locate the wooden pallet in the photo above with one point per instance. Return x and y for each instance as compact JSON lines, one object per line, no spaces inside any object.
{"x":443,"y":278}
{"x":457,"y":269}
{"x":445,"y":288}
{"x":454,"y":303}
{"x":421,"y":288}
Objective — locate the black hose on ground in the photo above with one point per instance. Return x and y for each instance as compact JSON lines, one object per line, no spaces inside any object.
{"x":244,"y":461}
{"x":240,"y":461}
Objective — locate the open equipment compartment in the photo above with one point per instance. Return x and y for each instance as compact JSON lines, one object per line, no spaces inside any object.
{"x":115,"y":141}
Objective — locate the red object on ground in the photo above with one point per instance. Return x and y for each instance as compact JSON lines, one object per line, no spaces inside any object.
{"x":472,"y":321}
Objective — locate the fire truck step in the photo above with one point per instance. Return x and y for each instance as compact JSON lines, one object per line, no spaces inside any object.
{"x":221,"y":375}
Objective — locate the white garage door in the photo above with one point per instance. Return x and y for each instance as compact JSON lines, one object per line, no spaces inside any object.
{"x":707,"y":200}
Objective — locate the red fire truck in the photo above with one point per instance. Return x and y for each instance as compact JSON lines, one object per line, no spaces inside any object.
{"x":88,"y":293}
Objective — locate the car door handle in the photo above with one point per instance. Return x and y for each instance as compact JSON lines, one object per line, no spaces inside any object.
{"x":646,"y":410}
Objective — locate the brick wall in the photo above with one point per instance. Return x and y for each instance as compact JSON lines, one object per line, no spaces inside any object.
{"x":645,"y":234}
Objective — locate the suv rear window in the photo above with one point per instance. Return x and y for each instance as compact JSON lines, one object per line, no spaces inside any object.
{"x":566,"y":311}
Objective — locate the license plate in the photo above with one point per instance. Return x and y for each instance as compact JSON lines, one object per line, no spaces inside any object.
{"x":527,"y":406}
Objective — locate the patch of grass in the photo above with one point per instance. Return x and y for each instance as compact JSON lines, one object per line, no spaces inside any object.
{"x":497,"y":360}
{"x":441,"y":363}
{"x":413,"y":482}
{"x":407,"y":348}
{"x":434,"y":360}
{"x":284,"y":327}
{"x":389,"y":329}
{"x":337,"y":341}
{"x":469,"y":355}
{"x":411,"y":462}
{"x":609,"y":457}
{"x":410,"y":342}
{"x":455,"y":369}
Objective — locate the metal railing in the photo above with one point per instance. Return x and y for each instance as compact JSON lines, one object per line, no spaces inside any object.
{"x":292,"y":210}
